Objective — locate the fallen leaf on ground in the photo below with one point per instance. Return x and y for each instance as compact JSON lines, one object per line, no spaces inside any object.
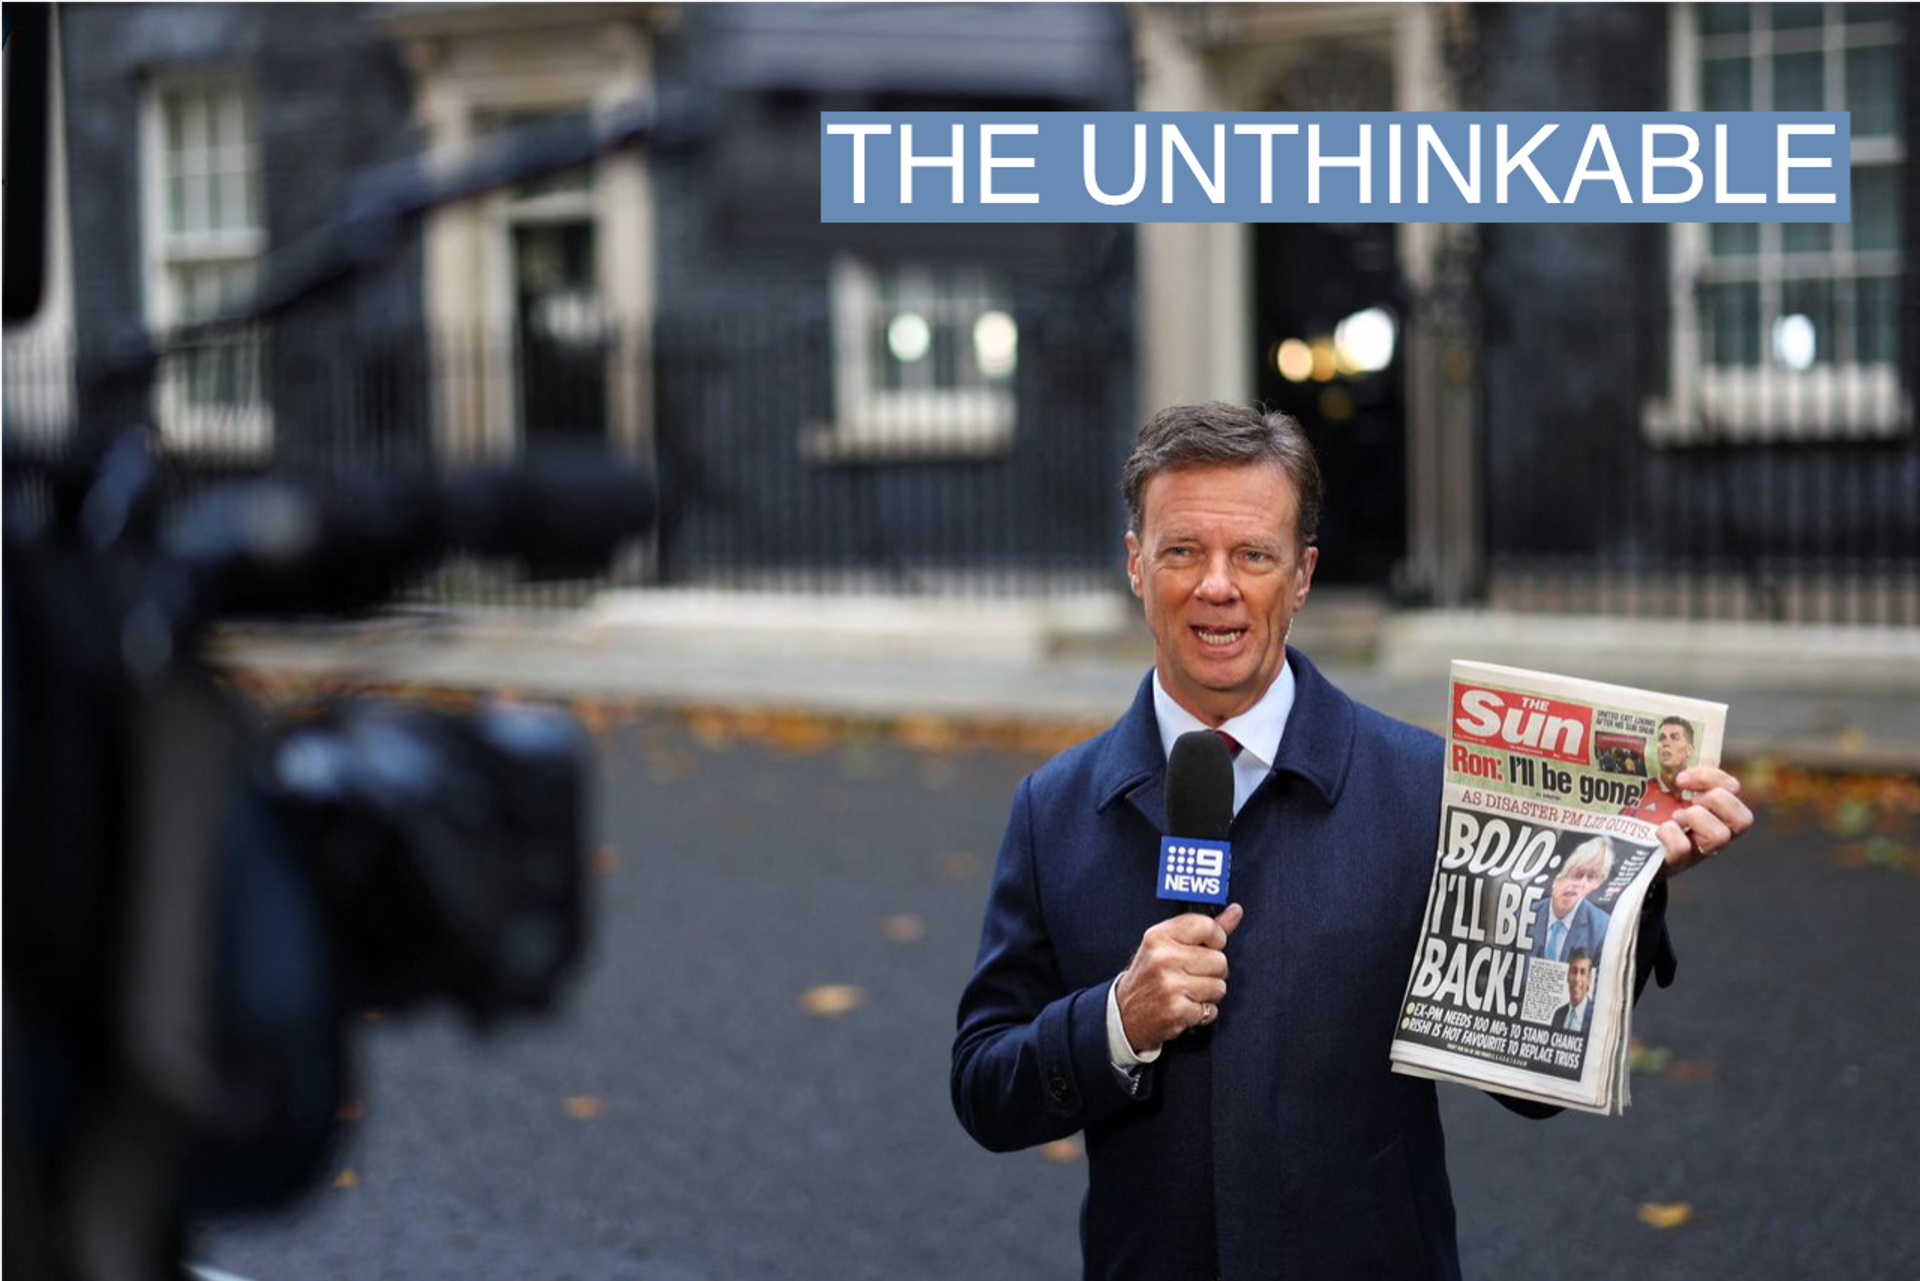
{"x":1693,"y":1070}
{"x":346,"y":1179}
{"x":1648,"y":1060}
{"x":958,"y":866}
{"x":1885,"y":852}
{"x":798,"y":733}
{"x":709,"y":728}
{"x":592,"y":714}
{"x":832,"y":998}
{"x":1664,"y":1214}
{"x":1061,"y":1151}
{"x":583,"y":1107}
{"x":905,"y":928}
{"x":928,"y":733}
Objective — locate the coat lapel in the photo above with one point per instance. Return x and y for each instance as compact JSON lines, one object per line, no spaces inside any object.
{"x":1132,"y":764}
{"x":1316,"y":745}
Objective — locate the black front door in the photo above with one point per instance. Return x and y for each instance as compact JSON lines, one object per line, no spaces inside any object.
{"x":559,"y":331}
{"x":1344,"y":382}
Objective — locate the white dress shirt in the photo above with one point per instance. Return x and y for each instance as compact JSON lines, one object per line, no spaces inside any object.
{"x":1258,"y":731}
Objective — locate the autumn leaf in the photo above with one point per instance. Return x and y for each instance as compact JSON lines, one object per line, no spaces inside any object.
{"x":905,"y":928}
{"x":1852,"y":817}
{"x":928,"y":733}
{"x":1062,"y":1151}
{"x":1692,"y":1070}
{"x":593,"y":715}
{"x":959,"y":866}
{"x":1648,"y":1060}
{"x":1884,"y":851}
{"x":799,"y":734}
{"x":1663,"y":1215}
{"x":832,"y":999}
{"x":583,"y":1107}
{"x":711,"y":729}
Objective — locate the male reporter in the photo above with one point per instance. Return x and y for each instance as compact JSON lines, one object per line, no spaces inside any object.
{"x":1230,"y":1073}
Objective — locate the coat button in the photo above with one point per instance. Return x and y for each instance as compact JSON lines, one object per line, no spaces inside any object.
{"x":1057,"y":1089}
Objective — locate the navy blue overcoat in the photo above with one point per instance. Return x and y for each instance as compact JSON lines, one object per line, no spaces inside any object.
{"x":1275,"y":1143}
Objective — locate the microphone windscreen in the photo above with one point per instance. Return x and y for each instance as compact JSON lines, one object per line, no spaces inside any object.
{"x":1200,"y":787}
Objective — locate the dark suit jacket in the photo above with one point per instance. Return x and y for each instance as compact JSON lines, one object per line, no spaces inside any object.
{"x":1277,"y":1143}
{"x":1588,"y":929}
{"x":1565,"y":1012}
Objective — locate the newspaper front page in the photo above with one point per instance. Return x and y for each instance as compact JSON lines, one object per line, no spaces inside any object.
{"x":1523,"y":980}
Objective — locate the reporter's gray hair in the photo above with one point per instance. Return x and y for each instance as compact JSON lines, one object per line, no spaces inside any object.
{"x":1216,"y":433}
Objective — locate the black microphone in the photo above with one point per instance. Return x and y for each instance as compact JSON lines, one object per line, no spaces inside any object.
{"x":1199,"y":809}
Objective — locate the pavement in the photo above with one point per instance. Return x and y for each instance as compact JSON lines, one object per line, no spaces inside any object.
{"x":749,"y":1078}
{"x":1821,"y":698}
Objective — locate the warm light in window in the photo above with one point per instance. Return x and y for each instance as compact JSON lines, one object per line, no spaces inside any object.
{"x":1795,"y":342}
{"x":1294,"y":360}
{"x":909,"y":337}
{"x":1363,"y":342}
{"x":996,"y":344}
{"x":1321,"y":353}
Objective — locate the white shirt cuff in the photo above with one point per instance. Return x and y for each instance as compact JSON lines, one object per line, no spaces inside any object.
{"x":1121,"y":1053}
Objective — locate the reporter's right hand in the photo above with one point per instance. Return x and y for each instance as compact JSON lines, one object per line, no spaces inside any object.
{"x":1177,"y":978}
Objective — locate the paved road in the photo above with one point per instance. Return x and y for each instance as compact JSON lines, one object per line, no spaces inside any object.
{"x":686,"y":1117}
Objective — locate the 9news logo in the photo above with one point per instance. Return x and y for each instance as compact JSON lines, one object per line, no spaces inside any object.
{"x":1194,"y":871}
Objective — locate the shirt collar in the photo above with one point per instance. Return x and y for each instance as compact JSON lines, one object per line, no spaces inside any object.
{"x":1257,"y":730}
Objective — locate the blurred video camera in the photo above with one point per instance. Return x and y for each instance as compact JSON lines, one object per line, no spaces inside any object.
{"x":200,"y":896}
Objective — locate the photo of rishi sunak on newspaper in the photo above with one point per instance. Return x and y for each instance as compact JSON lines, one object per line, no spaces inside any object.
{"x":1522,"y":981}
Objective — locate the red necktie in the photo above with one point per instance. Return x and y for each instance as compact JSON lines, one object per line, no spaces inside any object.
{"x":1233,"y":744}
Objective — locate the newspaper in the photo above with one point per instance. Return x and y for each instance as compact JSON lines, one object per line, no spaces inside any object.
{"x":1523,"y":980}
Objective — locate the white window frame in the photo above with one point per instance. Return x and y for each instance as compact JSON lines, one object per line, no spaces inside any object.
{"x":245,"y":429}
{"x":1827,"y":401}
{"x":873,"y":422}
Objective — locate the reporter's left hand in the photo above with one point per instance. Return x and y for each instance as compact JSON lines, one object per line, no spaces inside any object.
{"x":1713,"y":819}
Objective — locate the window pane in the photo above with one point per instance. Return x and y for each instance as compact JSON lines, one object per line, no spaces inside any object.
{"x":193,"y":219}
{"x":1733,"y":320}
{"x":1725,"y":85}
{"x":1794,"y":17}
{"x":1732,"y":238}
{"x":230,"y":202}
{"x":1876,"y":207}
{"x":1803,"y":334}
{"x":1866,"y":12}
{"x":193,"y":122}
{"x":1875,"y":332}
{"x":1723,"y":19}
{"x":227,"y":127}
{"x":1873,"y":91}
{"x":1806,"y":237}
{"x":176,"y":204}
{"x":946,"y":355}
{"x":1799,"y":82}
{"x":941,"y":329}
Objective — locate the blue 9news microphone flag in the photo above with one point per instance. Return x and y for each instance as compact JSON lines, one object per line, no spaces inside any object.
{"x":1195,"y":856}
